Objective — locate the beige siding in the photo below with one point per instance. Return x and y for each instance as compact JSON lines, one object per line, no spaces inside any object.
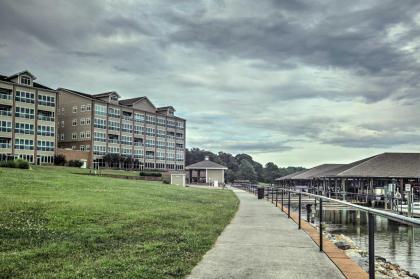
{"x":213,"y":175}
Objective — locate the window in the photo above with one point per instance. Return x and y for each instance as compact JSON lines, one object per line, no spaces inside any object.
{"x":74,"y":123}
{"x":100,"y":123}
{"x":43,"y":145}
{"x":100,"y":109}
{"x":138,"y":117}
{"x":138,"y":153}
{"x":82,"y":148}
{"x":113,"y":149}
{"x":127,"y":140}
{"x":82,"y":121}
{"x":25,"y":113}
{"x":160,"y":155}
{"x":87,"y":134}
{"x":150,"y":131}
{"x":25,"y":97}
{"x":74,"y":135}
{"x":99,"y":136}
{"x":24,"y":144}
{"x":114,"y":112}
{"x":138,"y":129}
{"x":47,"y":131}
{"x":62,"y":109}
{"x":127,"y":127}
{"x":62,"y":137}
{"x":161,"y":121}
{"x":150,"y":119}
{"x":5,"y":126}
{"x":73,"y":147}
{"x":161,"y":133}
{"x":180,"y":157}
{"x":87,"y":107}
{"x":113,"y":125}
{"x":82,"y":108}
{"x":150,"y":142}
{"x":126,"y":151}
{"x":161,"y":144}
{"x":74,"y":109}
{"x":25,"y":80}
{"x":24,"y":128}
{"x":46,"y":100}
{"x":87,"y":147}
{"x":99,"y":150}
{"x":150,"y":154}
{"x":82,"y":135}
{"x":87,"y":121}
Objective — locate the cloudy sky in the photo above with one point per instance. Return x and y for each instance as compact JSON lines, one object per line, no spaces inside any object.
{"x":293,"y":82}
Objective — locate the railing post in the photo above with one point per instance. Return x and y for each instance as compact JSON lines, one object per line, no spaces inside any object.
{"x":282,"y":199}
{"x":288,"y":206}
{"x":321,"y":248}
{"x":300,"y":208}
{"x":371,"y":224}
{"x":272,"y":195}
{"x":277,"y":195}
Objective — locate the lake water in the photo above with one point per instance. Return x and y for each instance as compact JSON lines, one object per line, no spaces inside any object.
{"x":396,"y":242}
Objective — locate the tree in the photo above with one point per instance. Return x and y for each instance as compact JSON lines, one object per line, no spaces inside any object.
{"x":271,"y":172}
{"x":247,"y":171}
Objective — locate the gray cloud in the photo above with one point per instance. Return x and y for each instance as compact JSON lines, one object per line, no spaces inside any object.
{"x":265,"y":77}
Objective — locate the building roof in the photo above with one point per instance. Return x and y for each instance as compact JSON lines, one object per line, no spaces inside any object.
{"x":21,"y":73}
{"x":131,"y":101}
{"x":289,"y":176}
{"x":105,"y":94}
{"x":206,"y":164}
{"x":166,"y":108}
{"x":35,"y":84}
{"x":386,"y":165}
{"x":317,"y":171}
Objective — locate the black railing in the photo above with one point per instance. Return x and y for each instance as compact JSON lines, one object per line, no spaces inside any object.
{"x":273,"y":193}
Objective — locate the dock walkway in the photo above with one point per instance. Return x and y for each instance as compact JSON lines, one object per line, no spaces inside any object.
{"x":261,"y":242}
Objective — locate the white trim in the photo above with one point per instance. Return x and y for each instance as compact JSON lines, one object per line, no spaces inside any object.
{"x":206,"y":176}
{"x":192,"y":168}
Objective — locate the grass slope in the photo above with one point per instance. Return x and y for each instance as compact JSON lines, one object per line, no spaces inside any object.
{"x":58,"y":224}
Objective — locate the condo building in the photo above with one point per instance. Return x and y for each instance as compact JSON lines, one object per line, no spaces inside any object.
{"x":101,"y":124}
{"x":27,"y":119}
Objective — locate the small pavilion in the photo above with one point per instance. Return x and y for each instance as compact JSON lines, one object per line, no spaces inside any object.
{"x":206,"y":172}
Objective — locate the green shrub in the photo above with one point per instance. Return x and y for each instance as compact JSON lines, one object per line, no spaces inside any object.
{"x":21,"y":164}
{"x":59,"y":160}
{"x":18,"y":163}
{"x":75,"y":163}
{"x":154,"y":174}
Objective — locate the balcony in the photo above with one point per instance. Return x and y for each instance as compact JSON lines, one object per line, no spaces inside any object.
{"x":5,"y":112}
{"x":5,"y":145}
{"x":127,"y":116}
{"x":113,"y":141}
{"x":45,"y":118}
{"x":45,"y":115}
{"x":6,"y":99}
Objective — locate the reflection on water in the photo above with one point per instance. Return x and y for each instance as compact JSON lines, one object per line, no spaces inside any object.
{"x":396,"y":242}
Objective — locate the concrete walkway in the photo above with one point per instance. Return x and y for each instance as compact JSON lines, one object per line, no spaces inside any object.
{"x":261,"y":242}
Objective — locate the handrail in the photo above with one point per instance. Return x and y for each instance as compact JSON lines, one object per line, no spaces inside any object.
{"x":382,"y":213}
{"x":370,"y":211}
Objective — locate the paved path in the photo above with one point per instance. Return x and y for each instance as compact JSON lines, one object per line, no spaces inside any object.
{"x":262,"y":243}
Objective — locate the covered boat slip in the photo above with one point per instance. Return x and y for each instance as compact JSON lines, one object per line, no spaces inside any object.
{"x":387,"y":180}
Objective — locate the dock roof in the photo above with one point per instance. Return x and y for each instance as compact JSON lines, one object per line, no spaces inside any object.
{"x":386,"y":165}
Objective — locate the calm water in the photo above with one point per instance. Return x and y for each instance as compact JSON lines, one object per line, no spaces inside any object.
{"x":397,"y":243}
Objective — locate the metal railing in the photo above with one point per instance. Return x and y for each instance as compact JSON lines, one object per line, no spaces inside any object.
{"x":274,"y":193}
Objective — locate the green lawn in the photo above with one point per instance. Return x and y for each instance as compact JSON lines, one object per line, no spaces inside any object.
{"x":55,"y":223}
